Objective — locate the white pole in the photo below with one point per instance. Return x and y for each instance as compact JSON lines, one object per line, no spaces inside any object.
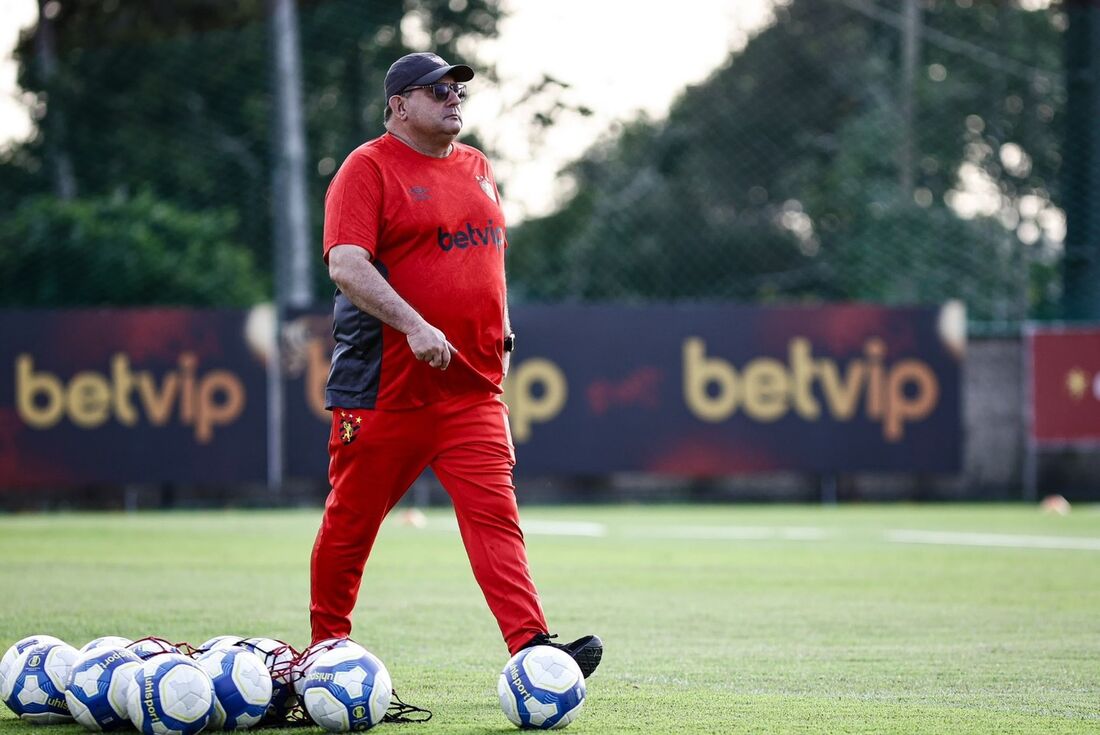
{"x":291,"y":202}
{"x":910,"y":56}
{"x":290,"y":215}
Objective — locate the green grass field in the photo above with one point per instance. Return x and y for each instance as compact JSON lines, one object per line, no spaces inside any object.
{"x":720,"y":619}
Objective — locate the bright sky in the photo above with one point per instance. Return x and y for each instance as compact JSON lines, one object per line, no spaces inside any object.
{"x":617,"y":57}
{"x":15,"y":121}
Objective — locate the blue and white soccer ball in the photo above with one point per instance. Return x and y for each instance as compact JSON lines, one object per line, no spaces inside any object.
{"x":310,"y":656}
{"x":242,"y":687}
{"x":146,"y":648}
{"x":220,"y":641}
{"x":17,"y":648}
{"x":541,"y":687}
{"x":347,"y":688}
{"x":171,"y":695}
{"x":97,"y":690}
{"x":279,"y":659}
{"x":34,"y":687}
{"x":127,"y":680}
{"x":107,"y":641}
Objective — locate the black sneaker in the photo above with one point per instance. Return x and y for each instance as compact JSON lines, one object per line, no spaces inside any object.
{"x":586,"y":651}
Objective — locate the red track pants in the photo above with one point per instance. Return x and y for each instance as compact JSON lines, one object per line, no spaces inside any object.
{"x":375,"y":456}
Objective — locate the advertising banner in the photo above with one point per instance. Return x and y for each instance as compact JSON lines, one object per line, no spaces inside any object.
{"x":116,"y":396}
{"x":1064,"y":382}
{"x":172,"y":395}
{"x":703,"y":390}
{"x":732,"y":389}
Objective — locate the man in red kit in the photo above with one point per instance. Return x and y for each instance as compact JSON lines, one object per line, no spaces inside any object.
{"x":414,"y":239}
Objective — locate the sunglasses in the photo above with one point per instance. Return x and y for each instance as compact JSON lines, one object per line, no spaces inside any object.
{"x":441,"y":90}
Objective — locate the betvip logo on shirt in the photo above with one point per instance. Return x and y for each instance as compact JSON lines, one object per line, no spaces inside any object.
{"x":471,"y":236}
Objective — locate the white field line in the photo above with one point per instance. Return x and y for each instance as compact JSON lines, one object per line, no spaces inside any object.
{"x":536,"y":528}
{"x":564,"y":528}
{"x":702,"y":533}
{"x":1001,"y":540}
{"x":792,"y":533}
{"x":734,"y":533}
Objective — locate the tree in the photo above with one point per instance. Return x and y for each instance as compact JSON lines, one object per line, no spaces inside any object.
{"x":777,"y":178}
{"x":172,"y":97}
{"x":123,"y":251}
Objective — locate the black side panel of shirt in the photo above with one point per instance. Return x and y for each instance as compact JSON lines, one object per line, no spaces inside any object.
{"x":357,"y":358}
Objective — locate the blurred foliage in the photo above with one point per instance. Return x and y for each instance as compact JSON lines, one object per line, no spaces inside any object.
{"x":173,"y":97}
{"x":124,"y":251}
{"x":778,"y":177}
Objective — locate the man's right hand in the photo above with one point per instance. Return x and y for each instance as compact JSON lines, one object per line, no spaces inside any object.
{"x":431,"y":346}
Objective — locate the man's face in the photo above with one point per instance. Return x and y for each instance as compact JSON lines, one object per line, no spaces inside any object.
{"x":432,"y":117}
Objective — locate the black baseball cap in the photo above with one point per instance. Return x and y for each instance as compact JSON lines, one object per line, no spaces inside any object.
{"x":422,"y":68}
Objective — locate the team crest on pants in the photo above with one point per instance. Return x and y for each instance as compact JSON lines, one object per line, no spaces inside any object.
{"x":348,"y":427}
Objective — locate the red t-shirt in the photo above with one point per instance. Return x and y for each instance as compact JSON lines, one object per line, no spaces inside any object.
{"x":435,"y":230}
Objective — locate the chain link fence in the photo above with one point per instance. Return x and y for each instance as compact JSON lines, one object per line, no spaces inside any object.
{"x":848,"y":152}
{"x":894,"y":152}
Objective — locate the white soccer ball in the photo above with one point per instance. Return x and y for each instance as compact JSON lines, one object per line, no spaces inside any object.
{"x":171,"y":695}
{"x":347,"y":688}
{"x":242,"y":687}
{"x":107,"y":641}
{"x":146,"y":648}
{"x":310,"y":656}
{"x":126,"y":678}
{"x":22,"y":645}
{"x":279,"y":659}
{"x":541,"y":687}
{"x":34,"y":687}
{"x":97,"y":690}
{"x":220,"y":641}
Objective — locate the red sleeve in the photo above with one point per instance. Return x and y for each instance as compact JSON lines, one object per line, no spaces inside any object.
{"x":353,"y":205}
{"x":493,"y":180}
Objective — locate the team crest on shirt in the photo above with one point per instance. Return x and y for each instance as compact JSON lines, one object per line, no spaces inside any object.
{"x":487,"y":187}
{"x":349,"y":428}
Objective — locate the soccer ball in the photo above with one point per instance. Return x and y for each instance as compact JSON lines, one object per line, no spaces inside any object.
{"x":278,"y":657}
{"x":146,"y":648}
{"x":34,"y":687}
{"x":220,"y":641}
{"x":242,"y":687}
{"x":127,"y":676}
{"x":311,"y":654}
{"x":97,"y":690}
{"x":107,"y":641}
{"x":541,"y":687}
{"x":171,"y":695}
{"x":22,"y":645}
{"x":347,"y":688}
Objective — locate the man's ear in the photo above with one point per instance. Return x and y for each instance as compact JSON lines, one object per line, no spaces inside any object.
{"x":397,"y":106}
